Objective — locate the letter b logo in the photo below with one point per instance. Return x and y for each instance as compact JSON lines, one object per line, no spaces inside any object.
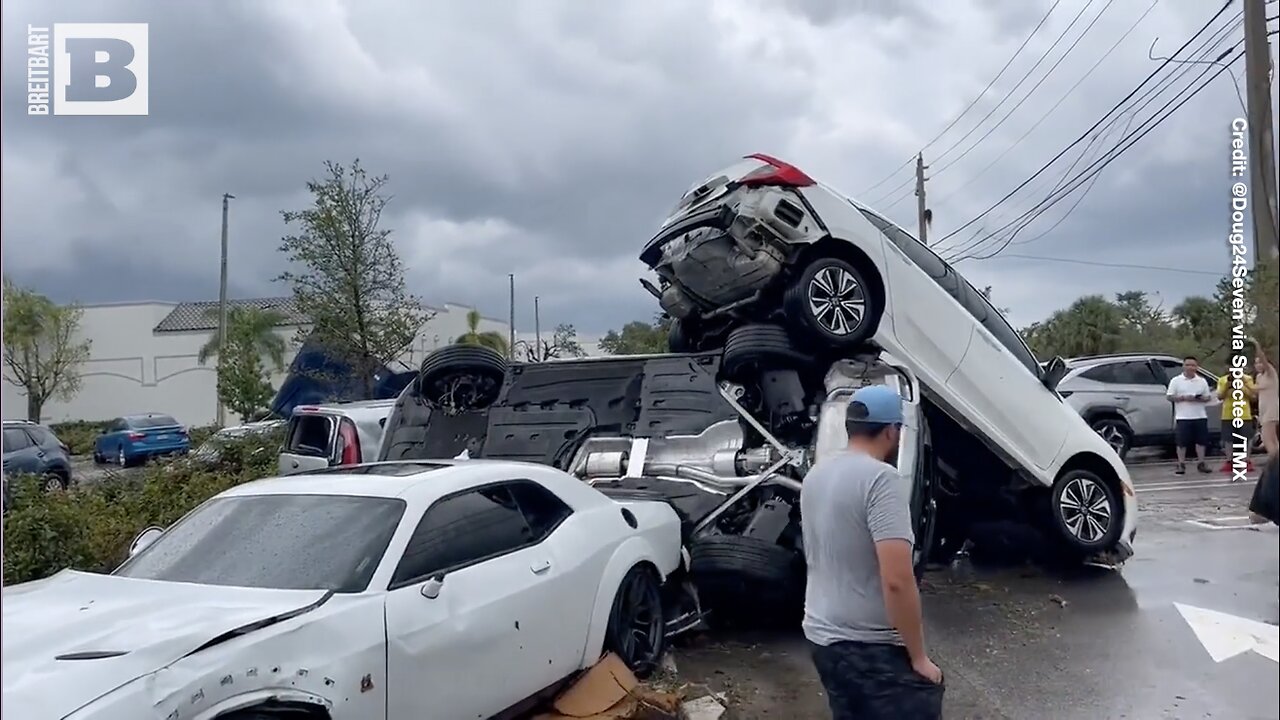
{"x":100,"y":69}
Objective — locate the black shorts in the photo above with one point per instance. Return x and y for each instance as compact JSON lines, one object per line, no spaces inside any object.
{"x":1229,"y":433}
{"x":870,"y":681}
{"x":1192,"y":432}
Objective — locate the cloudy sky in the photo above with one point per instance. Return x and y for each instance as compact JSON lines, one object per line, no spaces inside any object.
{"x":547,"y":138}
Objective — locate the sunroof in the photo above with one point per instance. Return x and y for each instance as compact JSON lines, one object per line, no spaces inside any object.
{"x":382,"y":469}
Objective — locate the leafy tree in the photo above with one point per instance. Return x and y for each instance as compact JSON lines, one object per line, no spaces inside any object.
{"x":243,"y":376}
{"x":487,"y":338}
{"x":42,"y":354}
{"x":563,"y":344}
{"x":349,"y":281}
{"x":638,"y":338}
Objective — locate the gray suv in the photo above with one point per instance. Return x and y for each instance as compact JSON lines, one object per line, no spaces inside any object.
{"x":34,"y":449}
{"x":1123,"y":398}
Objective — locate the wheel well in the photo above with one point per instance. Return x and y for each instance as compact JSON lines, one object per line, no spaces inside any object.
{"x":1097,"y":465}
{"x":275,"y":710}
{"x":1093,"y":416}
{"x":847,"y":251}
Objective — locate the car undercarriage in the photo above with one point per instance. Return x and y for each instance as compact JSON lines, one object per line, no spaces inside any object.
{"x":723,"y":437}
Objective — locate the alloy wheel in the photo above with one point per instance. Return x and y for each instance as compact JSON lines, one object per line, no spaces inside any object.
{"x":52,"y":483}
{"x":1114,"y":437}
{"x":638,"y":631}
{"x":1085,"y":509}
{"x":837,"y":300}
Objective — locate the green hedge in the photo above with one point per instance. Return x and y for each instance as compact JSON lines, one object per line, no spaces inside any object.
{"x":79,"y":435}
{"x":91,"y":526}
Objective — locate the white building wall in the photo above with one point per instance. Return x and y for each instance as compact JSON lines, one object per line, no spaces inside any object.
{"x":132,"y":369}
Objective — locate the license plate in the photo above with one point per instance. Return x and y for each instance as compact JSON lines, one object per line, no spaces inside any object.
{"x":162,"y":437}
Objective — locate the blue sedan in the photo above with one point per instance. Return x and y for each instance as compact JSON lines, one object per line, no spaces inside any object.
{"x":135,"y":438}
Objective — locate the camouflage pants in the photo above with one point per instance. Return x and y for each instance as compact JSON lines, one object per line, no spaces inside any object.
{"x":866,"y":681}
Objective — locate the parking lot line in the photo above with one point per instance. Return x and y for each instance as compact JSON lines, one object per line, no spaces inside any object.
{"x":1190,"y":485}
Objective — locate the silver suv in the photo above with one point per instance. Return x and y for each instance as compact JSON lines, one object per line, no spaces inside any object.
{"x":1123,"y":398}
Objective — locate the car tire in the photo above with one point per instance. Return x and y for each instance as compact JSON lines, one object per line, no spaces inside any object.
{"x":759,"y":347}
{"x":637,"y":624}
{"x":458,"y":378}
{"x":1116,"y":432}
{"x":746,"y":580}
{"x":122,"y":460}
{"x":821,"y":280}
{"x":1087,"y":513}
{"x":55,"y":481}
{"x":678,"y":337}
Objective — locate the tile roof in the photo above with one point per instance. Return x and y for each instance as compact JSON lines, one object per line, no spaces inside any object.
{"x":194,"y":316}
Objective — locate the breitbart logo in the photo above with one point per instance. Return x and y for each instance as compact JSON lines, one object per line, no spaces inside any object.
{"x":87,"y":69}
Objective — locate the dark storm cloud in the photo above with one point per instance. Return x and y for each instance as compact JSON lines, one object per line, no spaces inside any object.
{"x":546,"y":141}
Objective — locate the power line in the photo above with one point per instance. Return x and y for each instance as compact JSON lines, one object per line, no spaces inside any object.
{"x":1046,"y":115}
{"x":974,"y":242}
{"x":1095,"y":263}
{"x":1047,"y":203}
{"x":1043,"y":56}
{"x":973,"y":102}
{"x":1086,"y":133}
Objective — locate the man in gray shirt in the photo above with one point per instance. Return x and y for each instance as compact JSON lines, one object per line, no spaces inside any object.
{"x":862,"y":607}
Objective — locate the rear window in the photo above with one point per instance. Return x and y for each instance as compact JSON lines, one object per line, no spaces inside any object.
{"x":152,"y":421}
{"x":309,"y":435}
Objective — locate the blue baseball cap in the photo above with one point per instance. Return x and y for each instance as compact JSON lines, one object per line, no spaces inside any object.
{"x":877,"y":404}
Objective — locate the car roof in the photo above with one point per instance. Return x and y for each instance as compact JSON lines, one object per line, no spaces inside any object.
{"x":1117,"y":357}
{"x":137,"y":416}
{"x":393,"y":479}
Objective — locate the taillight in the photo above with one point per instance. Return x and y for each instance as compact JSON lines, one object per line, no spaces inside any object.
{"x":350,"y":443}
{"x":135,"y":435}
{"x":776,"y":173}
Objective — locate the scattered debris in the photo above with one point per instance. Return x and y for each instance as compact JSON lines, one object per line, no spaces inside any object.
{"x":707,"y":707}
{"x":609,"y":691}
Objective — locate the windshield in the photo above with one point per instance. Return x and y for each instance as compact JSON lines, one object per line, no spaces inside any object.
{"x":284,"y":542}
{"x":152,"y":421}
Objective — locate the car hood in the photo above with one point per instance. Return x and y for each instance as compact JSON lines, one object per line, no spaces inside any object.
{"x":143,"y":626}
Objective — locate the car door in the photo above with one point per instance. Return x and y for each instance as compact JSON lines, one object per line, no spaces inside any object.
{"x":21,"y":454}
{"x":108,"y":443}
{"x":472,"y":598}
{"x":309,"y":442}
{"x":999,"y":379}
{"x":928,"y":320}
{"x":1138,"y":392}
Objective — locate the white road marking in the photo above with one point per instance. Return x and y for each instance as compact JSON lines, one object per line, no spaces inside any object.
{"x":1225,"y":636}
{"x":1235,"y":522}
{"x":1190,"y":485}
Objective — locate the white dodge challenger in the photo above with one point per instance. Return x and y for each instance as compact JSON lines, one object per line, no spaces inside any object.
{"x":443,"y":590}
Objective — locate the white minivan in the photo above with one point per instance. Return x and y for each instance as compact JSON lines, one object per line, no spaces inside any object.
{"x":320,"y":436}
{"x":762,"y":242}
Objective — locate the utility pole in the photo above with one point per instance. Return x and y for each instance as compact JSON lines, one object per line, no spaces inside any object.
{"x":222,"y":302}
{"x":511,"y":317}
{"x":1262,"y":142}
{"x":922,"y":211}
{"x":537,"y":332}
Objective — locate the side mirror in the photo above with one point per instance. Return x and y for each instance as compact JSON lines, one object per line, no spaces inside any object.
{"x":145,"y":538}
{"x":1053,"y":373}
{"x":431,"y":588}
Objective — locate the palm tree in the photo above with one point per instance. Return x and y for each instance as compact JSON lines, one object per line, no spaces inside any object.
{"x":249,"y":322}
{"x":488,"y":338}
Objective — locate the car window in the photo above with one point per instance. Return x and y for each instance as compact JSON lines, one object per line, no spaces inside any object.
{"x":43,"y":436}
{"x":1134,"y":372}
{"x":542,"y":510}
{"x":463,"y":529}
{"x":309,"y":435}
{"x":16,"y":439}
{"x":1171,"y":368}
{"x":286,"y":542}
{"x":993,"y":320}
{"x":117,"y":425}
{"x":152,"y":421}
{"x":934,"y":266}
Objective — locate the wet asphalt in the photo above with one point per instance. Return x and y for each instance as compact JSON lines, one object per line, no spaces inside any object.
{"x":1017,"y":641}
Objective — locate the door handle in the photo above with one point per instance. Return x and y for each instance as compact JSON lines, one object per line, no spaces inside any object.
{"x":540,"y":566}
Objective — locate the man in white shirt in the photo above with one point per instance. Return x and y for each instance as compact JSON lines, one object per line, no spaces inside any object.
{"x":1189,"y":393}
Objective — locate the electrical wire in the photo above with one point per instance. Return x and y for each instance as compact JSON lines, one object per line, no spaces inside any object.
{"x":1127,"y":143}
{"x":1027,"y":75}
{"x":1206,"y":47}
{"x":973,"y":102}
{"x":1086,"y":133}
{"x":1051,"y":110}
{"x":1096,"y":263}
